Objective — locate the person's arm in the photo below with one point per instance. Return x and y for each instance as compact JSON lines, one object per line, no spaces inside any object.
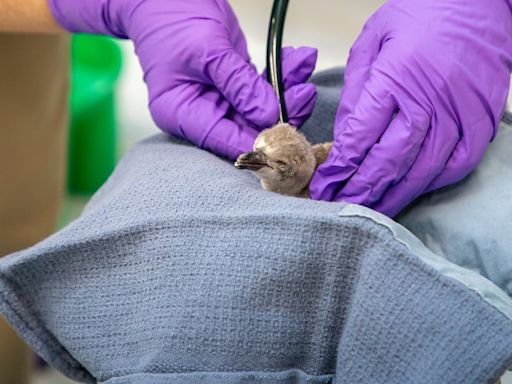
{"x":27,"y":16}
{"x":201,"y":82}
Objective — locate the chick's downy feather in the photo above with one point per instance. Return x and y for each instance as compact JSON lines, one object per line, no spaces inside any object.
{"x":284,"y":160}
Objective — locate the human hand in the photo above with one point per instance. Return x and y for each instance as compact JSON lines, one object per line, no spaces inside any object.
{"x":425,"y":88}
{"x":202,"y":85}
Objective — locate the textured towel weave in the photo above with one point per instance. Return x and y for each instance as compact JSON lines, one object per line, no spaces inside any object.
{"x":183,"y":270}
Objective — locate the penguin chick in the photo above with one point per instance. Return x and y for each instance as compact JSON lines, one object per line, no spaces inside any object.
{"x":284,"y":160}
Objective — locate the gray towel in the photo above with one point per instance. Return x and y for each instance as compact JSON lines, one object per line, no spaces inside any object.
{"x":183,"y":270}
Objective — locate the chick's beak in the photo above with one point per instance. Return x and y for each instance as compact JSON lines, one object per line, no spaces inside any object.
{"x":253,"y":161}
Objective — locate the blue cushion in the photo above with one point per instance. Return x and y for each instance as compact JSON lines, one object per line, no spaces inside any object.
{"x":470,"y":223}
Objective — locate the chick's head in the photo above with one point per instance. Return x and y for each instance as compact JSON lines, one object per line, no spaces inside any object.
{"x":283,"y":159}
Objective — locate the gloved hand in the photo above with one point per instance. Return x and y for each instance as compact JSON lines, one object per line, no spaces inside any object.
{"x":425,"y":88}
{"x":202,"y":86}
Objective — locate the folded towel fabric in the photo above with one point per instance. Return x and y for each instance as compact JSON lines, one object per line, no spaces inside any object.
{"x":183,"y":270}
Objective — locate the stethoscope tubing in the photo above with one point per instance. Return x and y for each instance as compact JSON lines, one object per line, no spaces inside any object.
{"x":274,"y":45}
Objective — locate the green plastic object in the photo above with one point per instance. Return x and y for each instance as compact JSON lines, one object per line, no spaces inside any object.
{"x":96,"y":66}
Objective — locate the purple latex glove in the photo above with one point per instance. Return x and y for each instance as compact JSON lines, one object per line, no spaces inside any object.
{"x":425,"y":87}
{"x":202,"y":85}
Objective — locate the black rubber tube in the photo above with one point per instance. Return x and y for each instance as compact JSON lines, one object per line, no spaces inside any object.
{"x":274,"y":45}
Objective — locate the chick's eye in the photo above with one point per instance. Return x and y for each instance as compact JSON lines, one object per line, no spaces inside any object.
{"x":279,"y":162}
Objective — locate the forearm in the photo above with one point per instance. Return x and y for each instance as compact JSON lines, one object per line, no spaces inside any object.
{"x":27,"y":16}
